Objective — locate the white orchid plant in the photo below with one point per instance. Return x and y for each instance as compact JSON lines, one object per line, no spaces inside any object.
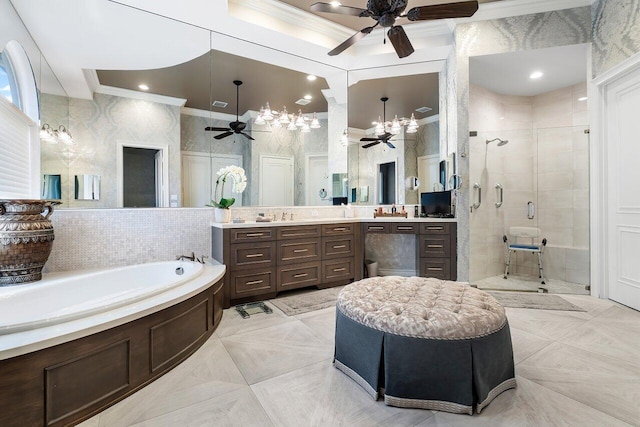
{"x":237,"y":175}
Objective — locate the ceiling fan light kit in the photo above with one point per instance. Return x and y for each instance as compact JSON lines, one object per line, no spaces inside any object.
{"x":386,"y":12}
{"x":236,"y":126}
{"x":384,"y":130}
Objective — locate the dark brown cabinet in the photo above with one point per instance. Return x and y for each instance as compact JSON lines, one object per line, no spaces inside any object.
{"x":437,"y":250}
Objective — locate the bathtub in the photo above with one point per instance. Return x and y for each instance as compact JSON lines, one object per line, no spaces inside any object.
{"x":68,"y":305}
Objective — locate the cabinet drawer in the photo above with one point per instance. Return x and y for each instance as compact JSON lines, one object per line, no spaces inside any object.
{"x":377,"y":227}
{"x":337,"y":247}
{"x":337,"y":269}
{"x":298,"y":231}
{"x":298,"y":275}
{"x":434,"y":228}
{"x":435,"y":246}
{"x":241,"y":235}
{"x":411,"y":228}
{"x":252,"y":282}
{"x":439,"y":268}
{"x":298,"y":250}
{"x":252,"y":255}
{"x":336,"y":229}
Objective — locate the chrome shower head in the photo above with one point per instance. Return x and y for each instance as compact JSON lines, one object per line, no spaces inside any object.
{"x":501,"y":142}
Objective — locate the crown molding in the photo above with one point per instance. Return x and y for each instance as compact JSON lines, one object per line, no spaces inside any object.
{"x":143,"y":96}
{"x":91,"y":77}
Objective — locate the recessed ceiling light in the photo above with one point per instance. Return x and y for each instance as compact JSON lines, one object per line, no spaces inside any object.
{"x":143,"y":87}
{"x":308,"y":97}
{"x":335,"y":3}
{"x":536,"y":75}
{"x":311,"y":77}
{"x":582,"y":98}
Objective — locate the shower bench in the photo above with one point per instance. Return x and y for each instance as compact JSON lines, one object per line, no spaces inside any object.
{"x":429,"y":343}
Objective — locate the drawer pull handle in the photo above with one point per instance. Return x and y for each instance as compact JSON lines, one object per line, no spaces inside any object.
{"x":339,"y":229}
{"x":440,"y":228}
{"x":297,"y":251}
{"x":405,"y":228}
{"x":300,"y":275}
{"x":376,"y":228}
{"x":434,"y":246}
{"x":435,"y":268}
{"x":254,"y":234}
{"x":335,"y":270}
{"x":254,"y":255}
{"x":254,"y":282}
{"x":339,"y":246}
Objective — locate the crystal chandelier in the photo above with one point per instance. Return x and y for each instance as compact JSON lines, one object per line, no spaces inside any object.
{"x":55,"y":136}
{"x":395,"y":126}
{"x":278,"y":119}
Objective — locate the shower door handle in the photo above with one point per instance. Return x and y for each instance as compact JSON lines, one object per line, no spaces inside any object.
{"x":477,"y":186}
{"x":500,"y":191}
{"x":531,"y":210}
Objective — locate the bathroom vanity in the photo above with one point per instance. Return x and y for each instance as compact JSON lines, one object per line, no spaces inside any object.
{"x":263,"y":259}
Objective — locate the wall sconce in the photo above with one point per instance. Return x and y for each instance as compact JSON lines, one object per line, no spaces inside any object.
{"x":55,"y":136}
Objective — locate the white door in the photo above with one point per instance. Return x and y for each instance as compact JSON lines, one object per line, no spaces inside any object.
{"x":428,"y":172}
{"x":159,"y":183}
{"x":199,"y":178}
{"x":317,"y":180}
{"x":622,"y":130}
{"x":276,"y":181}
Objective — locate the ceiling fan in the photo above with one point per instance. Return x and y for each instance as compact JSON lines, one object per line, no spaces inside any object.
{"x":234,"y":127}
{"x":385,"y":12}
{"x":386,"y":135}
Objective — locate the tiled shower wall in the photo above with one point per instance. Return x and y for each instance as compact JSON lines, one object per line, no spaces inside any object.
{"x":546,"y":161}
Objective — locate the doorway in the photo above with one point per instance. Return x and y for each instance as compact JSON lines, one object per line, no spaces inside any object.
{"x":142,"y":174}
{"x":387,"y":183}
{"x":199,"y":175}
{"x":428,"y":173}
{"x":317,"y":179}
{"x":276,"y":181}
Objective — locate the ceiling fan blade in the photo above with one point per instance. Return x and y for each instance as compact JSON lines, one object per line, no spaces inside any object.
{"x":386,"y":135}
{"x":369,"y":139}
{"x":390,"y":144}
{"x":443,"y":11}
{"x":350,"y":41}
{"x":216,"y":129}
{"x":371,"y":144}
{"x":400,"y":41}
{"x":246,"y":135}
{"x":223,"y":135}
{"x":342,"y":10}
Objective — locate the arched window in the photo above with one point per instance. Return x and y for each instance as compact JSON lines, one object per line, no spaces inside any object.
{"x":19,"y":141}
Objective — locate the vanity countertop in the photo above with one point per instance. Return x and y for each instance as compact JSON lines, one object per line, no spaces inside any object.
{"x":312,"y":221}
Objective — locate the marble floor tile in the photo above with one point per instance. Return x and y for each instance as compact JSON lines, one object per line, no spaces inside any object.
{"x":232,"y":323}
{"x":547,"y":324}
{"x":269,"y":352}
{"x":237,"y":408}
{"x":321,"y":322}
{"x":616,"y":337}
{"x":526,"y":344}
{"x":529,"y":405}
{"x":594,"y":306}
{"x":609,"y":385}
{"x":529,"y":284}
{"x":91,"y":422}
{"x":320,"y":395}
{"x":208,"y":373}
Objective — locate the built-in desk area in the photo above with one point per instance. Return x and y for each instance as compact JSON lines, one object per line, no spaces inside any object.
{"x":264,"y":258}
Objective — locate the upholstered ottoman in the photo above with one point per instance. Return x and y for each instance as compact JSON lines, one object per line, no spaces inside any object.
{"x":424,"y":343}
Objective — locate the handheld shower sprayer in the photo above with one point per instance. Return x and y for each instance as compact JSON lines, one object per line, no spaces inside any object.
{"x":501,"y":142}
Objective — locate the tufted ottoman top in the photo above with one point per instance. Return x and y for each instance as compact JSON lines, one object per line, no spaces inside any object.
{"x":422,"y":307}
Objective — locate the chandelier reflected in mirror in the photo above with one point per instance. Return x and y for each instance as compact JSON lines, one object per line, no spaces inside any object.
{"x":396,"y":125}
{"x":278,"y":119}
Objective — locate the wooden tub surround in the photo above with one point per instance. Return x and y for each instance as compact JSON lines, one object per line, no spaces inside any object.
{"x":263,"y":259}
{"x":69,"y":382}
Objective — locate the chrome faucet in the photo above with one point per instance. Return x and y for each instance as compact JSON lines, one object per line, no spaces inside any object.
{"x":190,"y":258}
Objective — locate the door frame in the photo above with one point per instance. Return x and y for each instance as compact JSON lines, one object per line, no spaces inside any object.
{"x":163,"y":149}
{"x":599,"y":174}
{"x":260,"y":175}
{"x":307,"y":188}
{"x":212,"y":173}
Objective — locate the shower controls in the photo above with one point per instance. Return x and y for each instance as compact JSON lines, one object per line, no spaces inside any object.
{"x":500,"y":195}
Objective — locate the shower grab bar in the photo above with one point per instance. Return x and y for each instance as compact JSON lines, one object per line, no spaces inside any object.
{"x":500,"y":192}
{"x":477,"y":186}
{"x":531,"y":210}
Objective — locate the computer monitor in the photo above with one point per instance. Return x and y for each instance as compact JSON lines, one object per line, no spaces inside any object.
{"x":436,"y":203}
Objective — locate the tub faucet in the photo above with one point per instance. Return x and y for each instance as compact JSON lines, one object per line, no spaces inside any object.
{"x":190,"y":258}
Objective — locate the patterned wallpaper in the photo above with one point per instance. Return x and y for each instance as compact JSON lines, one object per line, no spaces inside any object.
{"x":615,"y":30}
{"x":97,"y":125}
{"x":526,"y":32}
